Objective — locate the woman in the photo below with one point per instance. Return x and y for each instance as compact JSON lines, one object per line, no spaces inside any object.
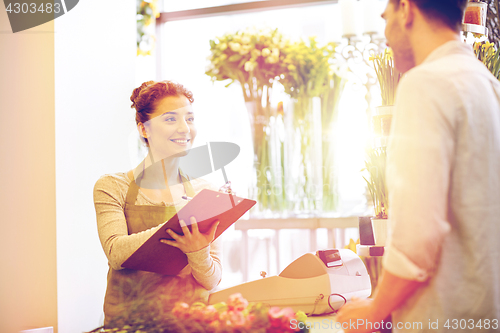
{"x":132,"y":206}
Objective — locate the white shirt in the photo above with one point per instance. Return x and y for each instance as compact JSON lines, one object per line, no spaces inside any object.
{"x":443,"y":177}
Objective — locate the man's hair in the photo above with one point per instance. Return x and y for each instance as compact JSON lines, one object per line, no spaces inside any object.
{"x":450,"y":12}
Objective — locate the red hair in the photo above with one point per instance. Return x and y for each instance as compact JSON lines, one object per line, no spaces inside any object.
{"x":145,"y":97}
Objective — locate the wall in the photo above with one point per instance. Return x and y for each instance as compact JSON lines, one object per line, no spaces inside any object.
{"x":27,"y":172}
{"x":94,"y":77}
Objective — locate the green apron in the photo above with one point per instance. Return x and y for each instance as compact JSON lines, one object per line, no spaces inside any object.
{"x":131,"y":292}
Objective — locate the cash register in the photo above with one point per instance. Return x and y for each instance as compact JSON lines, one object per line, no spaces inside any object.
{"x":314,"y":283}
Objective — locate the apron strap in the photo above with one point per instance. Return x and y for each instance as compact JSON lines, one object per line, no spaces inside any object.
{"x":132,"y":192}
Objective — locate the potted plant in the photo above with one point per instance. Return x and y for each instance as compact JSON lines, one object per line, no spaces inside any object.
{"x":377,"y":187}
{"x":388,"y":77}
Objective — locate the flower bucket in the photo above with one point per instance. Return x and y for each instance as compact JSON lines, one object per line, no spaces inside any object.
{"x":380,"y":229}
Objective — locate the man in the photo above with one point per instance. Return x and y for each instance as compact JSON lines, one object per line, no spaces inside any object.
{"x":441,"y":267}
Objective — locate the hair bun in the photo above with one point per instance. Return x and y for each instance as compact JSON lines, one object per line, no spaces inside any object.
{"x":137,"y":92}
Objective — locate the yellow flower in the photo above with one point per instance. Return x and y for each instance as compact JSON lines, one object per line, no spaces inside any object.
{"x":222,"y":46}
{"x":266,"y":52}
{"x":273,"y":59}
{"x":234,"y":46}
{"x":250,"y":66}
{"x":255,"y":53}
{"x":245,"y":49}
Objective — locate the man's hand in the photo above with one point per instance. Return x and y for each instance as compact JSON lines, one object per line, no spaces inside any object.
{"x":192,"y":241}
{"x":391,"y":292}
{"x":357,"y":316}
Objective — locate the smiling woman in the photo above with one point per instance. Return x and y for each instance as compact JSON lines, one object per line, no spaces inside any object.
{"x":132,"y":206}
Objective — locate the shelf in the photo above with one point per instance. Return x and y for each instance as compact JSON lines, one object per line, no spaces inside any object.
{"x":369,"y":250}
{"x":298,"y":223}
{"x":474,"y":28}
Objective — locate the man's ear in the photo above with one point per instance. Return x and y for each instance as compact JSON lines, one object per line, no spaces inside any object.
{"x":407,"y":11}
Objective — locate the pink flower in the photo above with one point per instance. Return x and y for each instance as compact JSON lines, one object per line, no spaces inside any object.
{"x":210,"y":314}
{"x":214,"y":326}
{"x":280,"y":319}
{"x":237,"y":318}
{"x":197,"y":313}
{"x":181,"y":310}
{"x":236,"y":302}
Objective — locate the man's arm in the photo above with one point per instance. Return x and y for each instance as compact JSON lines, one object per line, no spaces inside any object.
{"x":420,"y":157}
{"x":392,"y":291}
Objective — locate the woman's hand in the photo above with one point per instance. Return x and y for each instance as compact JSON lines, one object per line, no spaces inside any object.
{"x":192,"y":241}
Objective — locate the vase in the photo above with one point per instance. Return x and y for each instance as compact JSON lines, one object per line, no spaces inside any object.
{"x":267,"y":181}
{"x":329,"y":115}
{"x":380,"y":229}
{"x":382,"y":120}
{"x":303,"y":172}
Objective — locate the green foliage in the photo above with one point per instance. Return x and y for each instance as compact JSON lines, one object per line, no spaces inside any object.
{"x":490,"y":56}
{"x":308,"y":68}
{"x":257,"y":58}
{"x":387,"y":74}
{"x":147,"y":11}
{"x":252,"y":57}
{"x":375,"y":165}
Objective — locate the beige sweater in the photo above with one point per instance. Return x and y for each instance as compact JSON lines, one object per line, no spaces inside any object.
{"x":109,"y":200}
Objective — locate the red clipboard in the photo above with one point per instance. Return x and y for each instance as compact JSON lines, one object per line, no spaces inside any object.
{"x":207,"y":207}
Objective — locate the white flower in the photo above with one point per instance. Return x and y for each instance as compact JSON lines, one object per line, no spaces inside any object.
{"x":250,"y":66}
{"x":272,"y":59}
{"x":245,"y":40}
{"x":276,"y":52}
{"x":235,"y":46}
{"x":255,"y":53}
{"x":210,"y":57}
{"x":245,"y":49}
{"x":265,"y":52}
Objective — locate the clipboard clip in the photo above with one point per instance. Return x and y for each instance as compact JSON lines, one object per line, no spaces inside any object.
{"x":226,"y":188}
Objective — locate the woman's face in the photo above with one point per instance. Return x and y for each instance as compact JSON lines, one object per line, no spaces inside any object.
{"x":171,"y":130}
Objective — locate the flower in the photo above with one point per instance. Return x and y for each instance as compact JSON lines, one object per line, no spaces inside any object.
{"x":308,"y":67}
{"x":250,"y":66}
{"x":181,"y":310}
{"x":236,"y":302}
{"x":245,"y":49}
{"x":252,"y":57}
{"x":235,"y":47}
{"x":237,"y":315}
{"x":387,"y":74}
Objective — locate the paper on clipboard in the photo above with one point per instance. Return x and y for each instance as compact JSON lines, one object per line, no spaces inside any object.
{"x":207,"y":207}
